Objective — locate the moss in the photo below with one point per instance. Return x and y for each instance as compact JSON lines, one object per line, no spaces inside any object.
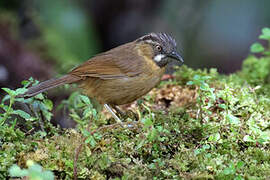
{"x":215,"y":128}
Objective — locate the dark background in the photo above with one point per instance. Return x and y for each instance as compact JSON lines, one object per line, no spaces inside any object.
{"x":43,"y":39}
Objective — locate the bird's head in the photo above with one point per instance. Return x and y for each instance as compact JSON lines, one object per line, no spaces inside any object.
{"x":163,"y":48}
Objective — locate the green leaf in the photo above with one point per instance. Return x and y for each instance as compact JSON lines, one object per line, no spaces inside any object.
{"x":86,"y":133}
{"x":49,"y":104}
{"x":9,"y":91}
{"x":206,"y":77}
{"x":35,"y":168}
{"x":204,"y":86}
{"x":6,"y":98}
{"x":197,"y":151}
{"x":91,"y":140}
{"x":98,"y":136}
{"x":140,"y":144}
{"x":87,"y":112}
{"x":47,"y":175}
{"x":94,"y":113}
{"x":21,"y":113}
{"x":256,"y":48}
{"x":16,"y":171}
{"x":197,"y":77}
{"x":87,"y":140}
{"x":20,"y":91}
{"x":147,"y":122}
{"x":190,"y":83}
{"x":265,"y":135}
{"x":229,"y":170}
{"x":232,"y":119}
{"x":214,"y":137}
{"x":39,"y":96}
{"x":152,"y":134}
{"x":265,"y":34}
{"x":85,"y":99}
{"x":206,"y":146}
{"x":240,"y":164}
{"x":25,"y":82}
{"x":266,"y":53}
{"x":248,"y":138}
{"x":223,"y":106}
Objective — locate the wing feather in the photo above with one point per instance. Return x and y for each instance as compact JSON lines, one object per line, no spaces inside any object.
{"x":119,"y":62}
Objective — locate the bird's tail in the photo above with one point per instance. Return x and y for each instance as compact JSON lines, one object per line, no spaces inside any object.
{"x":49,"y":84}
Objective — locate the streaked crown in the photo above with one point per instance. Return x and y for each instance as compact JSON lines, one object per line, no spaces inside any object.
{"x":163,"y":46}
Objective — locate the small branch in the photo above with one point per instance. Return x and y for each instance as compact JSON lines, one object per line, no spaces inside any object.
{"x":76,"y":157}
{"x":77,"y":153}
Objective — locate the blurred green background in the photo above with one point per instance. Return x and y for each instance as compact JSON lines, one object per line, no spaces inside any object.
{"x":44,"y":39}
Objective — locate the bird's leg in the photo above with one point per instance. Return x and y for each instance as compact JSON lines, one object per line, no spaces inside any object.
{"x":118,"y":110}
{"x":113,"y":114}
{"x":124,"y":115}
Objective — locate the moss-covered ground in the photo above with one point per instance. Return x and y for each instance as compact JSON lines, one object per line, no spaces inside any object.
{"x":197,"y":125}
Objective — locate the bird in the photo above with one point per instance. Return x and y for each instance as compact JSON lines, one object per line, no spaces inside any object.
{"x":120,"y":75}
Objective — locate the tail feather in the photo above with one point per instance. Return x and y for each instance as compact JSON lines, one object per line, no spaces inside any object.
{"x":49,"y":84}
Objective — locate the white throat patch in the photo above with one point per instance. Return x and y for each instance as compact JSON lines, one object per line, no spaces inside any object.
{"x":159,"y":57}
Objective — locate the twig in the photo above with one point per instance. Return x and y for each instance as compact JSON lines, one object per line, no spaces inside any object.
{"x":77,"y":153}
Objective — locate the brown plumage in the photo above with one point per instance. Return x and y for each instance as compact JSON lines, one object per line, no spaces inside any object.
{"x":120,"y":75}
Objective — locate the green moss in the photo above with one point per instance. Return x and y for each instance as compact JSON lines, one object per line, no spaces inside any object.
{"x":217,"y":127}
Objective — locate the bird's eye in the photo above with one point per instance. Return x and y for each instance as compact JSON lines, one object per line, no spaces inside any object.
{"x":159,"y":48}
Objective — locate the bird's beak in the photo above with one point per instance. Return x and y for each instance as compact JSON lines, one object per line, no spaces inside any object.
{"x":176,"y":56}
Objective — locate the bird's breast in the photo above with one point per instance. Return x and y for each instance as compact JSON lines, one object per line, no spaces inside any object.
{"x":128,"y":89}
{"x":122,"y":90}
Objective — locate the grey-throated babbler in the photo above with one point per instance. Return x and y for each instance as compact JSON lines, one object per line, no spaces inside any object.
{"x":122,"y":74}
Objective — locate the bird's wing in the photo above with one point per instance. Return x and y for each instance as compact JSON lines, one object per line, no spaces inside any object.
{"x":116,"y":63}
